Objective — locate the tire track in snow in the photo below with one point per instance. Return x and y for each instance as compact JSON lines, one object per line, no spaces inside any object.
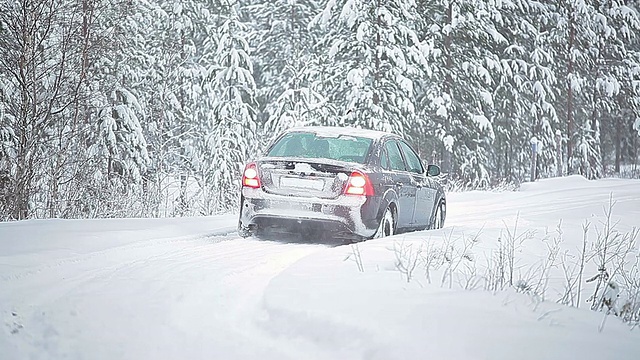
{"x":208,"y":289}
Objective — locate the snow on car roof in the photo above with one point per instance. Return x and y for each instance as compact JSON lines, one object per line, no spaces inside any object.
{"x":335,"y":131}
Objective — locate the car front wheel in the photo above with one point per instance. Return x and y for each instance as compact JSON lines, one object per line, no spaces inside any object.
{"x":438,"y":218}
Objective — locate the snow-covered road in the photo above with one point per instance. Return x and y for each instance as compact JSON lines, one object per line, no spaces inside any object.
{"x":187,"y":296}
{"x":191,"y":289}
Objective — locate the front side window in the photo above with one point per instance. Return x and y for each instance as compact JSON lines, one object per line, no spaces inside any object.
{"x":413,"y":161}
{"x":395,"y":158}
{"x":310,"y":145}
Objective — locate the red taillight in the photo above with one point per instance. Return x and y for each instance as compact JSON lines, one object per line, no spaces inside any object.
{"x":250,"y":176}
{"x":359,"y":184}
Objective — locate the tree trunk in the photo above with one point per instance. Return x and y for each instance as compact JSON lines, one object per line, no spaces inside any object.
{"x":376,"y":82}
{"x":570,"y":68}
{"x":617,"y":141}
{"x":447,"y":161}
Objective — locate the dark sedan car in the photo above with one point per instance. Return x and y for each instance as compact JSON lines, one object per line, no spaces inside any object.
{"x":351,"y":183}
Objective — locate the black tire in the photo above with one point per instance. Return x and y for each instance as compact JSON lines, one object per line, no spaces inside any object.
{"x":387,"y":225}
{"x":245,"y":231}
{"x":440,"y":214}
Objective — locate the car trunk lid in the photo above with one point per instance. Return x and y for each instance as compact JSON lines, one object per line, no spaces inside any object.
{"x":304,"y":177}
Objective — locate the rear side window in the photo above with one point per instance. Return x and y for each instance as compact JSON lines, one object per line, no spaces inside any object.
{"x":384,"y":160}
{"x":395,"y":158}
{"x":413,"y":161}
{"x":309,"y":145}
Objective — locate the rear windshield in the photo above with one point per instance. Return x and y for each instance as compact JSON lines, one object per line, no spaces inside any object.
{"x":309,"y":145}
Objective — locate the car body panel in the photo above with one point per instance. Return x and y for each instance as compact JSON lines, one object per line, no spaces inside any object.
{"x":407,"y":200}
{"x":424,"y":202}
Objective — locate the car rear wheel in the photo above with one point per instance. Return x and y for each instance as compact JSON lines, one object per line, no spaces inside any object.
{"x":438,"y":218}
{"x":245,"y":231}
{"x":387,"y":225}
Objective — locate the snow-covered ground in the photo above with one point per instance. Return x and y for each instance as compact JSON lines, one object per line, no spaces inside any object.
{"x":191,"y":289}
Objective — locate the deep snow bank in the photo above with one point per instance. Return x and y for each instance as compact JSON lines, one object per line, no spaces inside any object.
{"x":378,"y":308}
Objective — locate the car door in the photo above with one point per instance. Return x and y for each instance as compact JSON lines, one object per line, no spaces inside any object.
{"x":403,"y":183}
{"x":425,"y":194}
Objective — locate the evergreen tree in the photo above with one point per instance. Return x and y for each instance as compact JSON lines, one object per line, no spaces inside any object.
{"x":183,"y":49}
{"x":231,"y":139}
{"x":285,"y":64}
{"x":372,"y":57}
{"x":592,"y":55}
{"x":525,"y":93}
{"x":463,"y":40}
{"x":613,"y":94}
{"x":114,"y":110}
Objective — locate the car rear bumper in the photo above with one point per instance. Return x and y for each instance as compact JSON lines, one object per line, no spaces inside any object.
{"x":343,"y":216}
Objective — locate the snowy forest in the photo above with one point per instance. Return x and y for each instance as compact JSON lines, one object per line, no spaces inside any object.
{"x":147,"y":108}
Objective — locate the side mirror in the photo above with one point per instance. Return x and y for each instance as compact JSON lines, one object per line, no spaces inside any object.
{"x":433,"y":170}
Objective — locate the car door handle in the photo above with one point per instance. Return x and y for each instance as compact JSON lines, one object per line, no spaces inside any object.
{"x":419,"y":185}
{"x":399,"y":184}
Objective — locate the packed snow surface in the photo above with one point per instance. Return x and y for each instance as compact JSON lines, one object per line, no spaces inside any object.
{"x":191,"y":289}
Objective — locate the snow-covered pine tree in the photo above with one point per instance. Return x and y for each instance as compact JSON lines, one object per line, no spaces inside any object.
{"x":284,"y":64}
{"x":180,"y":54}
{"x":630,"y":148}
{"x":121,"y":137}
{"x":371,"y":58}
{"x":572,"y":41}
{"x":592,"y":58}
{"x":463,"y":39}
{"x":525,"y":92}
{"x":231,"y":139}
{"x":613,"y":93}
{"x":118,"y":151}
